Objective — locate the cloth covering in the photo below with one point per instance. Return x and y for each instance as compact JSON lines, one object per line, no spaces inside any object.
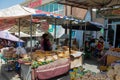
{"x":53,"y":69}
{"x":113,"y":53}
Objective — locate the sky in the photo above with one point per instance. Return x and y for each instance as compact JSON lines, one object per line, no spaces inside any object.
{"x":8,"y":3}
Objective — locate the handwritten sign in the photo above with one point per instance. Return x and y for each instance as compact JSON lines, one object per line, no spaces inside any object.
{"x":35,"y":3}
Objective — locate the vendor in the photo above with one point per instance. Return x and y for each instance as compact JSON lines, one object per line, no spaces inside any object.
{"x":75,"y":44}
{"x":104,"y":57}
{"x":66,"y":42}
{"x":87,"y":50}
{"x":99,"y":47}
{"x":45,"y":43}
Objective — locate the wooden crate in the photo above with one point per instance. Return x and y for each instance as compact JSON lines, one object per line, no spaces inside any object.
{"x":76,"y":62}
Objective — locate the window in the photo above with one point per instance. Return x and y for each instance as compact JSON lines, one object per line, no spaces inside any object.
{"x":53,"y":7}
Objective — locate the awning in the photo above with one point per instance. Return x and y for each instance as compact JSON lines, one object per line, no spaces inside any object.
{"x":86,"y":4}
{"x":22,"y":34}
{"x":8,"y":16}
{"x":16,"y":11}
{"x":89,"y":26}
{"x":6,"y":35}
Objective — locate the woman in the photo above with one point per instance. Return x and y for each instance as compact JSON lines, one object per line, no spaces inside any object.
{"x":87,"y":50}
{"x":75,"y":45}
{"x":45,"y":43}
{"x":104,"y":57}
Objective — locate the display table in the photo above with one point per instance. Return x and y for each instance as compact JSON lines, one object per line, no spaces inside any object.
{"x":77,"y":59}
{"x":47,"y":71}
{"x":112,"y":56}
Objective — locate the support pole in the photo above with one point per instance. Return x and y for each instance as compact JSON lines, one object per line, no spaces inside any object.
{"x":55,"y":29}
{"x":84,"y":36}
{"x":19,"y":31}
{"x":70,"y":33}
{"x":19,"y":35}
{"x":31,"y":35}
{"x":67,"y":23}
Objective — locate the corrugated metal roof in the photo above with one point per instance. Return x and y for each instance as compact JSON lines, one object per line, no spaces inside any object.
{"x":86,"y":4}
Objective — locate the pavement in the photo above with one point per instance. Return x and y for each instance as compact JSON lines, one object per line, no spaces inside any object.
{"x":91,"y":65}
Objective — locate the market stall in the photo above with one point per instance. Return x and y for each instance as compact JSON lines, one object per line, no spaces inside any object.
{"x":49,"y":64}
{"x":38,"y":60}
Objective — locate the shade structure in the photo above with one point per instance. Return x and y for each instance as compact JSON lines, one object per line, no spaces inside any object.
{"x":65,"y":36}
{"x":6,"y":35}
{"x":49,"y":17}
{"x":86,"y":4}
{"x":9,"y":15}
{"x":16,"y":11}
{"x":22,"y":34}
{"x":89,"y":26}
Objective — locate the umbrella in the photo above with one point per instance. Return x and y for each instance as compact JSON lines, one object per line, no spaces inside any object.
{"x":8,"y":36}
{"x":89,"y":26}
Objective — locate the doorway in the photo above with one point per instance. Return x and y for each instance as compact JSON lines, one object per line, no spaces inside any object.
{"x":117,"y":40}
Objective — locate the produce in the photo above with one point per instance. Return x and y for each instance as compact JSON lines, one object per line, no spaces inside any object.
{"x":41,"y":59}
{"x":49,"y":58}
{"x":55,"y":57}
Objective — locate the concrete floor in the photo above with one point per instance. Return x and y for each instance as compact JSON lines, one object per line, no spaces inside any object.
{"x":91,"y":65}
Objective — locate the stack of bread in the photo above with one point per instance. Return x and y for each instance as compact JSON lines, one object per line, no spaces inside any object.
{"x":10,"y":53}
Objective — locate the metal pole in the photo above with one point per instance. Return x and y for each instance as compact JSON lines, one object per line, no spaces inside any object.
{"x":84,"y":36}
{"x":31,"y":35}
{"x":67,"y":23}
{"x":19,"y":35}
{"x":19,"y":31}
{"x":70,"y":33}
{"x":55,"y":30}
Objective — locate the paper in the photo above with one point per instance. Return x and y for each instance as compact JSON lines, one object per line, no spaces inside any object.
{"x":77,"y":54}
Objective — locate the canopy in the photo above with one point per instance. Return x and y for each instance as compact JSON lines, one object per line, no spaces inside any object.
{"x":22,"y":34}
{"x":86,"y":4}
{"x":89,"y":26}
{"x":9,"y":15}
{"x":8,"y":36}
{"x":16,"y":11}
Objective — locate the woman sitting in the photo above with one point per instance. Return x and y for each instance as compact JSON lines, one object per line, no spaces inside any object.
{"x":87,"y":50}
